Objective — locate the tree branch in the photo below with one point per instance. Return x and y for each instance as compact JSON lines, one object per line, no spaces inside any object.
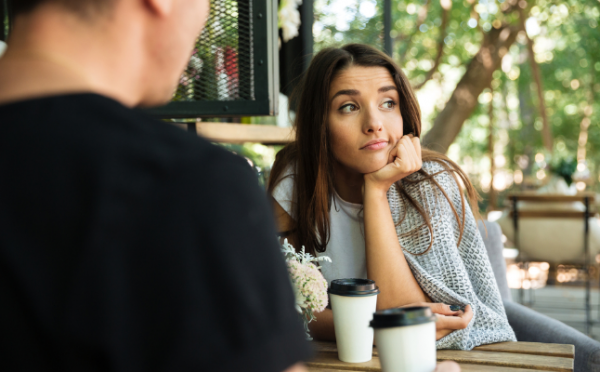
{"x":492,"y":194}
{"x":546,"y":130}
{"x":474,"y":14}
{"x":446,"y":7}
{"x":420,"y":19}
{"x":585,"y":123}
{"x":464,"y":98}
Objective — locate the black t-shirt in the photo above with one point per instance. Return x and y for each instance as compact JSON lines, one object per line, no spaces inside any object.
{"x":128,"y":244}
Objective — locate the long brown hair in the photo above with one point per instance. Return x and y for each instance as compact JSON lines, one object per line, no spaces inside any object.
{"x":312,"y":156}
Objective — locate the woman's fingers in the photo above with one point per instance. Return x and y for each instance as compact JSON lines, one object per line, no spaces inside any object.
{"x":447,"y":366}
{"x":442,"y":309}
{"x":447,"y":319}
{"x":436,"y":308}
{"x":393,"y":153}
{"x":404,"y":155}
{"x":403,"y":160}
{"x":416,"y":141}
{"x":414,"y":146}
{"x":411,"y":160}
{"x":459,"y":321}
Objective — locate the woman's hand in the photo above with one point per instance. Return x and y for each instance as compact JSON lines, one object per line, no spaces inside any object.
{"x":405,"y":159}
{"x":448,"y":366}
{"x":447,"y":320}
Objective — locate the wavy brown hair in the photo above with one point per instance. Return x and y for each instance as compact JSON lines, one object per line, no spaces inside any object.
{"x":312,"y":156}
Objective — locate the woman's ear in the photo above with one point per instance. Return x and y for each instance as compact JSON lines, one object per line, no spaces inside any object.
{"x":160,"y":8}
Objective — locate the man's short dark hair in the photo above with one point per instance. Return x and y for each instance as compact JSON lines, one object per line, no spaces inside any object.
{"x":79,"y":6}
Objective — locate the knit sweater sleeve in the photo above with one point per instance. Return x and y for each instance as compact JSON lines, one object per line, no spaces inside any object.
{"x":456,"y":269}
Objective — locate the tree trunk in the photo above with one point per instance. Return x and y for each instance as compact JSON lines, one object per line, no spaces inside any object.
{"x":493,"y":198}
{"x":464,"y":98}
{"x":535,"y":70}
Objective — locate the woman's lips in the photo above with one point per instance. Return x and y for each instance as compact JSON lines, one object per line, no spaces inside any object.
{"x":376,"y":146}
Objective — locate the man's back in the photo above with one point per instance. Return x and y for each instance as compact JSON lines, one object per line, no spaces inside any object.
{"x":129,"y":244}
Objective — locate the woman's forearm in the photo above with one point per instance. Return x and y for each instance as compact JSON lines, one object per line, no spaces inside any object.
{"x":386,"y":263}
{"x":322,"y":329}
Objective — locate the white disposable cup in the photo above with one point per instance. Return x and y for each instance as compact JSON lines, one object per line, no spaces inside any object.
{"x":351,"y":316}
{"x":407,"y":348}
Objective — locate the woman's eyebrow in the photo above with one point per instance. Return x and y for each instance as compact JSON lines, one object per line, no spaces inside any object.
{"x":348,"y":92}
{"x":386,"y":88}
{"x":354,"y":92}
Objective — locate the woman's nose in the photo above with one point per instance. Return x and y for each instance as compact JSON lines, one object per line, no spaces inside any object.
{"x":372,"y":123}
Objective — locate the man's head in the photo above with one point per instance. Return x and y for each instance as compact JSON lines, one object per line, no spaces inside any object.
{"x":140,"y":46}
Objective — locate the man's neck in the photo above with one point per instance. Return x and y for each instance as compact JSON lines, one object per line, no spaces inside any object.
{"x":58,"y":54}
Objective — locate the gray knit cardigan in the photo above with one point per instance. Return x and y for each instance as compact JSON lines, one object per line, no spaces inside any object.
{"x":450,"y":273}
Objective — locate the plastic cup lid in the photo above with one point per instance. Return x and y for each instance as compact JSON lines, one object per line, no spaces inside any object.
{"x":401,"y":317}
{"x":353,"y":287}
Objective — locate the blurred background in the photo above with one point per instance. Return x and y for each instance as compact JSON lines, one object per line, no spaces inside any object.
{"x":538,"y":119}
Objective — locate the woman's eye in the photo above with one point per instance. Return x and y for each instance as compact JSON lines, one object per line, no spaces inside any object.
{"x":348,"y":108}
{"x":389,"y":104}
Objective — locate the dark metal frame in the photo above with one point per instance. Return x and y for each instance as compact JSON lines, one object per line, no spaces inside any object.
{"x":307,"y":16}
{"x":296,"y":54}
{"x":266,"y":75}
{"x":4,"y":17}
{"x":586,"y":248}
{"x":388,"y":45}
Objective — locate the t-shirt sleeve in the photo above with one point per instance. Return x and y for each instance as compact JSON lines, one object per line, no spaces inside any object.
{"x":253,"y":296}
{"x":283,"y":192}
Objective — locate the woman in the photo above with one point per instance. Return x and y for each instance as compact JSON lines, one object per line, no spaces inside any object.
{"x":357,"y":157}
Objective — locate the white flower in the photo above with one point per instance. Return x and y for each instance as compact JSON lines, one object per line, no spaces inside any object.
{"x":300,"y":299}
{"x":289,"y":18}
{"x":310,"y":287}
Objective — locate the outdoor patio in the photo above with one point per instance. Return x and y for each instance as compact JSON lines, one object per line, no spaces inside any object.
{"x":566,"y":304}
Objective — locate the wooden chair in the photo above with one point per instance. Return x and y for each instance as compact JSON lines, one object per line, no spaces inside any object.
{"x":586,"y":199}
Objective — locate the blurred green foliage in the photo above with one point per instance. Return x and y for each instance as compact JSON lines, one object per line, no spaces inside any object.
{"x":565,"y":167}
{"x":566,"y":38}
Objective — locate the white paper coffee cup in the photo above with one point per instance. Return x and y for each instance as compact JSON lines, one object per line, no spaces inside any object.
{"x":405,"y":339}
{"x":353,"y":302}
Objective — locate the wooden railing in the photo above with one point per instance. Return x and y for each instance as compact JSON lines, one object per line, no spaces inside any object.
{"x":240,"y":133}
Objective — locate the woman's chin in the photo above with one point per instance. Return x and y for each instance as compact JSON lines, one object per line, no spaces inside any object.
{"x":374,"y":167}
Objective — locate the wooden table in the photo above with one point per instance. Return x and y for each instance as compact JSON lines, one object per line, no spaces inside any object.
{"x":500,"y":357}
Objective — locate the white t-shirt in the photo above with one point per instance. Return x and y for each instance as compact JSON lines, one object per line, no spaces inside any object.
{"x":346,"y":246}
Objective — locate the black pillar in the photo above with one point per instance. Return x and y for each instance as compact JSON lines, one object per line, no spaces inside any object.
{"x":4,"y":20}
{"x":387,"y":27}
{"x":307,"y":16}
{"x":296,"y":54}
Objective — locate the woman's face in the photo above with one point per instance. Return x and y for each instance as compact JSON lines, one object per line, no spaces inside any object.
{"x":364,"y":118}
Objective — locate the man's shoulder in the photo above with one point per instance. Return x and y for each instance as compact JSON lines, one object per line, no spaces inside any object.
{"x":95,"y":123}
{"x":105,"y":135}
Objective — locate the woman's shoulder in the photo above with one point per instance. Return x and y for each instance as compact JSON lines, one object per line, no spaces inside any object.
{"x":286,"y":179}
{"x":283,"y":192}
{"x":435,"y":166}
{"x":440,"y":171}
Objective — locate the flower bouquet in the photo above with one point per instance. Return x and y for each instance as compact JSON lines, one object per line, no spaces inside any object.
{"x":310,"y":287}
